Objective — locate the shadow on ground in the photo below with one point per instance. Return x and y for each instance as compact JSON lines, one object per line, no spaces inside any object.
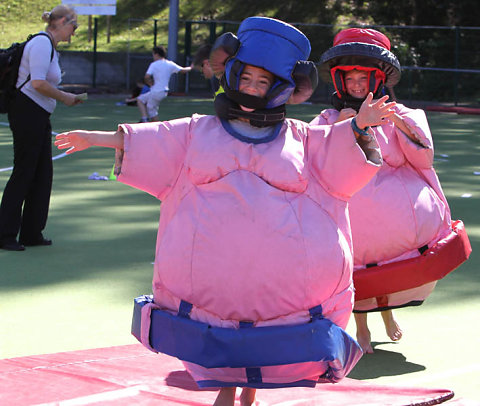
{"x":383,"y":363}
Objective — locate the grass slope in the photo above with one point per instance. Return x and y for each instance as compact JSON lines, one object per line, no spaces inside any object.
{"x":18,"y":18}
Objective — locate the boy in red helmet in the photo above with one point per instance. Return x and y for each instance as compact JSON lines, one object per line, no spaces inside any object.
{"x":402,"y":212}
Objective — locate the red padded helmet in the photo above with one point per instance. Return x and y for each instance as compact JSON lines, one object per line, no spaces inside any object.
{"x":362,"y":49}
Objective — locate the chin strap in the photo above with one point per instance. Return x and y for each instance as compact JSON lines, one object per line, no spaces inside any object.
{"x":228,"y":110}
{"x":345,"y":102}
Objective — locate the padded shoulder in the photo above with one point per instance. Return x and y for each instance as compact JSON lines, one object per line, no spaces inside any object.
{"x":305,"y":76}
{"x":224,"y":48}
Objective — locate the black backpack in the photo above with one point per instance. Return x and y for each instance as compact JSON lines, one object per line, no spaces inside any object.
{"x":10,"y":59}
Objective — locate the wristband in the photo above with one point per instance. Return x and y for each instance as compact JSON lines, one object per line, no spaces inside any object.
{"x":357,"y":130}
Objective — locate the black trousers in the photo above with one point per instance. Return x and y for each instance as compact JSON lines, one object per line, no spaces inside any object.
{"x":26,"y":198}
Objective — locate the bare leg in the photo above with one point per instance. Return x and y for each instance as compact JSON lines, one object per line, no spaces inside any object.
{"x":142,"y":108}
{"x":226,"y":397}
{"x":363,"y":333}
{"x":391,"y":326}
{"x":247,"y":398}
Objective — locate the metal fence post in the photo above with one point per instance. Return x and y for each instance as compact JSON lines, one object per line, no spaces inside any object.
{"x":188,"y":38}
{"x":457,"y":52}
{"x":213,"y":32}
{"x":155,"y":30}
{"x":94,"y":79}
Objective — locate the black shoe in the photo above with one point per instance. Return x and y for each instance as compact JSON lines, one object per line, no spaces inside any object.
{"x":42,"y":242}
{"x":12,"y":246}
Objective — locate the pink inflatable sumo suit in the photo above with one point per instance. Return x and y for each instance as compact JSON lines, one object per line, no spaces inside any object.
{"x":252,"y":279}
{"x":250,"y":232}
{"x":402,"y":212}
{"x":402,"y":209}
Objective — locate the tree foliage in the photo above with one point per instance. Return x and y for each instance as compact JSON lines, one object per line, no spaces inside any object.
{"x":441,"y":46}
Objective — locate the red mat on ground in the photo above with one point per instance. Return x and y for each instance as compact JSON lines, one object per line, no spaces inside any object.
{"x":454,"y":109}
{"x":131,"y":375}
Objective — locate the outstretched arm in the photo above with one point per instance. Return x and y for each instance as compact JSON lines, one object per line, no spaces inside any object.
{"x":187,"y":69}
{"x":79,"y":140}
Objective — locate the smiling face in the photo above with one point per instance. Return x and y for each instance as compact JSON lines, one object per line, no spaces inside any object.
{"x":356,"y":83}
{"x":255,"y":82}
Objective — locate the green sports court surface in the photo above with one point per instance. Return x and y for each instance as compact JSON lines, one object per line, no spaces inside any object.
{"x":78,"y":293}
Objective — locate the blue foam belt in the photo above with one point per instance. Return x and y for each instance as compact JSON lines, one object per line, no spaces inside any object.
{"x":217,"y":347}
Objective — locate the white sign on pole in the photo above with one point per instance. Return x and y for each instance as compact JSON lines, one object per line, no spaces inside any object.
{"x":93,"y":7}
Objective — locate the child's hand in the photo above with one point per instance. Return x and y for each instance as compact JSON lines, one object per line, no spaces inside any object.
{"x":371,"y":114}
{"x":77,"y":140}
{"x":345,"y":114}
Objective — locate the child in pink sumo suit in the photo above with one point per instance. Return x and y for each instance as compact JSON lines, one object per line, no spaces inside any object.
{"x":254,"y":229}
{"x":402,"y":211}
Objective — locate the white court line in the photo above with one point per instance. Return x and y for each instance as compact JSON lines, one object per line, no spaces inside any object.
{"x":100,"y":397}
{"x":87,"y":361}
{"x":63,"y":154}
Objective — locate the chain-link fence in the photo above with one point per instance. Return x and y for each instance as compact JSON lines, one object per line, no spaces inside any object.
{"x":439,"y":64}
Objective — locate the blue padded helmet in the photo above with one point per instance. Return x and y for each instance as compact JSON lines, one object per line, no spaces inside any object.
{"x":274,"y":46}
{"x":270,"y":44}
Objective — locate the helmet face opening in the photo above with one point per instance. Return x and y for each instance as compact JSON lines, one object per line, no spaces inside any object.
{"x":376,"y":79}
{"x":362,"y":49}
{"x":278,"y":94}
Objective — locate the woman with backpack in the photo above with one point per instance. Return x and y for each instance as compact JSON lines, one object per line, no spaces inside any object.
{"x":26,"y":198}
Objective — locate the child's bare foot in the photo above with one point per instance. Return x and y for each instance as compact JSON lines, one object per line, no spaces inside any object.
{"x":391,"y":326}
{"x":365,"y":342}
{"x":226,"y":397}
{"x":363,"y":333}
{"x":247,"y":398}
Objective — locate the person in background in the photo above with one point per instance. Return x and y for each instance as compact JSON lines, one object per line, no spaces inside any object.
{"x":402,"y":211}
{"x":201,"y":61}
{"x":157,"y":77}
{"x":26,"y":198}
{"x":140,"y":88}
{"x":253,"y":231}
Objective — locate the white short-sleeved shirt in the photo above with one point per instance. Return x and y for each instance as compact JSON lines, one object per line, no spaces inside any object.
{"x":36,"y":63}
{"x":161,"y":71}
